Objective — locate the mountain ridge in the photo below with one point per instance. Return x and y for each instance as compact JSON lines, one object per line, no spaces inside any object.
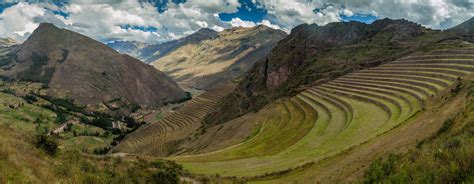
{"x":223,"y":58}
{"x":88,"y":71}
{"x":314,"y":54}
{"x":151,"y":52}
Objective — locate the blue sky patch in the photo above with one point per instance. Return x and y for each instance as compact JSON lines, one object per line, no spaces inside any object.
{"x":147,"y":29}
{"x":4,"y":6}
{"x":365,"y":18}
{"x":247,"y":11}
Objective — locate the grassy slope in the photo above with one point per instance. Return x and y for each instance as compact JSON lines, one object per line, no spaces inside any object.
{"x":268,"y":155}
{"x":350,"y":165}
{"x":445,"y":157}
{"x":259,"y":156}
{"x":22,"y":162}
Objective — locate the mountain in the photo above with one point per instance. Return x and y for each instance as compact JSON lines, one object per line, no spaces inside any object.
{"x":156,"y":51}
{"x":6,"y":42}
{"x":75,"y":66}
{"x":466,"y":26}
{"x":151,"y":52}
{"x":203,"y":64}
{"x":312,"y":54}
{"x":127,"y":47}
{"x":465,"y":29}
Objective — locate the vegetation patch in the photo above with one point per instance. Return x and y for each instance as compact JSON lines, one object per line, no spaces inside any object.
{"x":445,"y":157}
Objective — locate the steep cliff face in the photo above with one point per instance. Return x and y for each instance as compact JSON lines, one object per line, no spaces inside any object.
{"x":312,"y":54}
{"x":78,"y":67}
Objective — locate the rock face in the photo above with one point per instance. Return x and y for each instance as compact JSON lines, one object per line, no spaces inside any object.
{"x":224,"y":57}
{"x":88,"y":71}
{"x":313,"y":53}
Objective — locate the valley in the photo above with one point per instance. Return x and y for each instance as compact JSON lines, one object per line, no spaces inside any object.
{"x":385,"y":101}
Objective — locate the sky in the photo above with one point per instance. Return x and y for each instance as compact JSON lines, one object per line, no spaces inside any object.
{"x":155,"y":21}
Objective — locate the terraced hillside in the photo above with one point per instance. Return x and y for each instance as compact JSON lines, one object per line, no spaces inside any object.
{"x":159,"y":138}
{"x":332,"y":118}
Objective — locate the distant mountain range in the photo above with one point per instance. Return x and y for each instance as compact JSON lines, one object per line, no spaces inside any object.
{"x":6,"y":42}
{"x":206,"y":58}
{"x":226,"y":56}
{"x":87,"y":71}
{"x":151,"y":52}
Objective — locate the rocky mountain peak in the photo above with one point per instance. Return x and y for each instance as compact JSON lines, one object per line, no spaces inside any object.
{"x":88,"y":71}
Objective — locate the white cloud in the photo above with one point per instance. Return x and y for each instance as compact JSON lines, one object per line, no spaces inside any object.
{"x":269,"y":24}
{"x":17,"y":21}
{"x":107,"y":20}
{"x":237,"y":22}
{"x":432,"y":13}
{"x":289,"y":14}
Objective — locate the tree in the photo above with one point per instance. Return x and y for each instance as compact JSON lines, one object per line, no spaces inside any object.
{"x":61,"y":118}
{"x":49,"y":144}
{"x":166,"y":176}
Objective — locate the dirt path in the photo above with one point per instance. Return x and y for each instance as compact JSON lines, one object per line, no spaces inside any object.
{"x":189,"y":180}
{"x":62,"y":127}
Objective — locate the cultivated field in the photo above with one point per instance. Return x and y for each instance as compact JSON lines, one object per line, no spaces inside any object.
{"x":159,"y":138}
{"x":332,"y":118}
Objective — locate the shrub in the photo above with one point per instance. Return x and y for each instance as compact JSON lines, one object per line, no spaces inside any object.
{"x":101,"y":151}
{"x":61,"y":118}
{"x":167,"y":176}
{"x":102,"y":122}
{"x":380,"y":169}
{"x":49,"y":144}
{"x":30,"y":98}
{"x":130,"y":122}
{"x":446,"y":126}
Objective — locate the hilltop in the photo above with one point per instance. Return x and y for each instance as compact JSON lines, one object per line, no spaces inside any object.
{"x":225,"y":56}
{"x":76,"y":67}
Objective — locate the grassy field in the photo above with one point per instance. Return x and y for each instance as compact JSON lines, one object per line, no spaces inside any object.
{"x":299,"y":134}
{"x":22,"y":161}
{"x":34,"y":119}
